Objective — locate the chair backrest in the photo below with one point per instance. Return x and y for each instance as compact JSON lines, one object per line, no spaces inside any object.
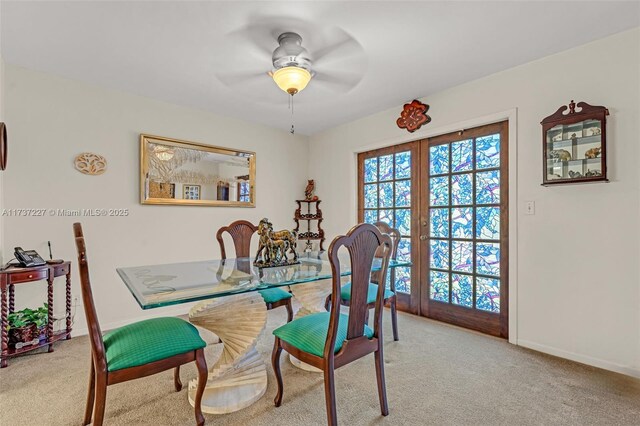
{"x":241,"y":232}
{"x":95,"y":334}
{"x":395,"y":241}
{"x":362,"y":242}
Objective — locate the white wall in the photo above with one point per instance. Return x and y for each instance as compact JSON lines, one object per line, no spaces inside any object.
{"x":578,"y":281}
{"x":54,"y":119}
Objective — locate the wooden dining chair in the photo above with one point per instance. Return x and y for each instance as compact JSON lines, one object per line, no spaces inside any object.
{"x":136,"y":350}
{"x":376,"y":278}
{"x":330,"y":340}
{"x":241,"y":232}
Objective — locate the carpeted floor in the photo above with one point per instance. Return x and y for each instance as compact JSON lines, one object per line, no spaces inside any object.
{"x":436,"y":374}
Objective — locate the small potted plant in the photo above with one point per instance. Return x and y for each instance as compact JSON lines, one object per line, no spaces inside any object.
{"x":27,"y":326}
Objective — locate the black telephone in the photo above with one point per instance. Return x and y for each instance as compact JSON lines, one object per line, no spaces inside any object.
{"x":28,"y":258}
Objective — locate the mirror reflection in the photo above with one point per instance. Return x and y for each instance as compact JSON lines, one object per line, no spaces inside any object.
{"x":188,"y":173}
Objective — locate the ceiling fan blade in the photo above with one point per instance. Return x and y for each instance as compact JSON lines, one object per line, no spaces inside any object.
{"x":236,"y":78}
{"x":342,"y":80}
{"x":344,"y":47}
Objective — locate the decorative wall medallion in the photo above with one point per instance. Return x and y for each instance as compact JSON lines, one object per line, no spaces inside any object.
{"x":3,"y":146}
{"x":91,"y":164}
{"x":413,"y":116}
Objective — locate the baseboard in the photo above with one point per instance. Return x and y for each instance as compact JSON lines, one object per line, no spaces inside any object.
{"x":167,"y":312}
{"x":595,"y":362}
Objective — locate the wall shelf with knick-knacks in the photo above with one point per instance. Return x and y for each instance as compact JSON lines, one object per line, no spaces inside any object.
{"x":574,"y":145}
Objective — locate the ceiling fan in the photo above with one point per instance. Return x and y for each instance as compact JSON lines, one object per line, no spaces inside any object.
{"x":329,"y":57}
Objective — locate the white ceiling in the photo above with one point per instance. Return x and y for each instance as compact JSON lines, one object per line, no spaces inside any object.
{"x":173,"y":50}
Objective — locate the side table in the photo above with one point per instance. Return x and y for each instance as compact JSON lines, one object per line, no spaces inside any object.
{"x":16,"y":275}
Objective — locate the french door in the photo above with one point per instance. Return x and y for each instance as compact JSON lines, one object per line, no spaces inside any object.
{"x":448,"y":196}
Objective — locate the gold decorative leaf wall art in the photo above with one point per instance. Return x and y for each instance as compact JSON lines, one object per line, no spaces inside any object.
{"x":89,"y":163}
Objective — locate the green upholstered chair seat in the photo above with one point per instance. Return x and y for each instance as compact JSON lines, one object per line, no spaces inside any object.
{"x":309,"y":333}
{"x":148,"y":341}
{"x":273,"y":295}
{"x":345,"y":293}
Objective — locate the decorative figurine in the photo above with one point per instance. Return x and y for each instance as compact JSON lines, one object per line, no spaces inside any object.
{"x":595,"y":131}
{"x":573,"y":174}
{"x":574,"y":138}
{"x":592,"y":153}
{"x":273,"y":246}
{"x":413,"y":116}
{"x":560,"y":155}
{"x":593,"y":173}
{"x":308,"y":192}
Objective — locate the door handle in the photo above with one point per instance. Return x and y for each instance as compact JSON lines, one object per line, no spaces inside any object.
{"x":423,"y":238}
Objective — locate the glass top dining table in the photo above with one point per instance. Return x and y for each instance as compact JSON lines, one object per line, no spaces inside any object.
{"x":155,"y":286}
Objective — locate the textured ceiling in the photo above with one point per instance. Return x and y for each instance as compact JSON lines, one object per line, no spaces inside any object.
{"x":173,"y":51}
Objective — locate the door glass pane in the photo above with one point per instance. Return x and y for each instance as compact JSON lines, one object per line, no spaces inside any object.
{"x":403,"y":165}
{"x":403,"y":279}
{"x":488,"y":187}
{"x":439,"y":286}
{"x":386,"y":216}
{"x":461,"y":189}
{"x":462,"y":290}
{"x":462,"y":155}
{"x":439,"y":191}
{"x":440,"y":223}
{"x":371,"y":169}
{"x":488,"y":152}
{"x":462,"y":222}
{"x":488,"y":223}
{"x":439,"y":159}
{"x":439,"y":254}
{"x":404,"y":250}
{"x":403,"y":221}
{"x":488,"y":294}
{"x":403,"y":193}
{"x":488,"y":258}
{"x":386,"y":167}
{"x":386,"y":194}
{"x":371,"y":196}
{"x":462,"y":256}
{"x":370,"y":216}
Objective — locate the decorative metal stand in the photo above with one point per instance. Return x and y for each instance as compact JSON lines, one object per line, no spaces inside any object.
{"x":309,"y":216}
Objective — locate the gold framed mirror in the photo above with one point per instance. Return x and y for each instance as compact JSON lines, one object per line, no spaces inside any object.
{"x":178,"y":172}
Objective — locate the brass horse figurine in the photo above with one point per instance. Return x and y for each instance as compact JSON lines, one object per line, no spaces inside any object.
{"x":273,"y":246}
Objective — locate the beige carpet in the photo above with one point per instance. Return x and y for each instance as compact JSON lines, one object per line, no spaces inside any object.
{"x":436,"y":374}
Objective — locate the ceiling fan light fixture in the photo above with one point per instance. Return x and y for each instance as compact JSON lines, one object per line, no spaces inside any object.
{"x":292,"y":79}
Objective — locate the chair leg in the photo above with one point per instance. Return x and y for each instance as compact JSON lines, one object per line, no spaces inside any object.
{"x":88,"y":411}
{"x":176,"y":379}
{"x":394,"y":319}
{"x":289,"y":310}
{"x":382,"y":389}
{"x":275,"y":362}
{"x":330,"y":396}
{"x":100,"y":398}
{"x":203,"y":375}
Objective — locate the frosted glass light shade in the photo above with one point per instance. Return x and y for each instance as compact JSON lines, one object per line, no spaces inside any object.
{"x":292,"y":79}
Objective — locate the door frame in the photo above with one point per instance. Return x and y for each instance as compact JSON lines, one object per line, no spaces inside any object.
{"x":426,"y":132}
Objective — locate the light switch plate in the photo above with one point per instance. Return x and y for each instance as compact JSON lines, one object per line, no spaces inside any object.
{"x":530,"y":208}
